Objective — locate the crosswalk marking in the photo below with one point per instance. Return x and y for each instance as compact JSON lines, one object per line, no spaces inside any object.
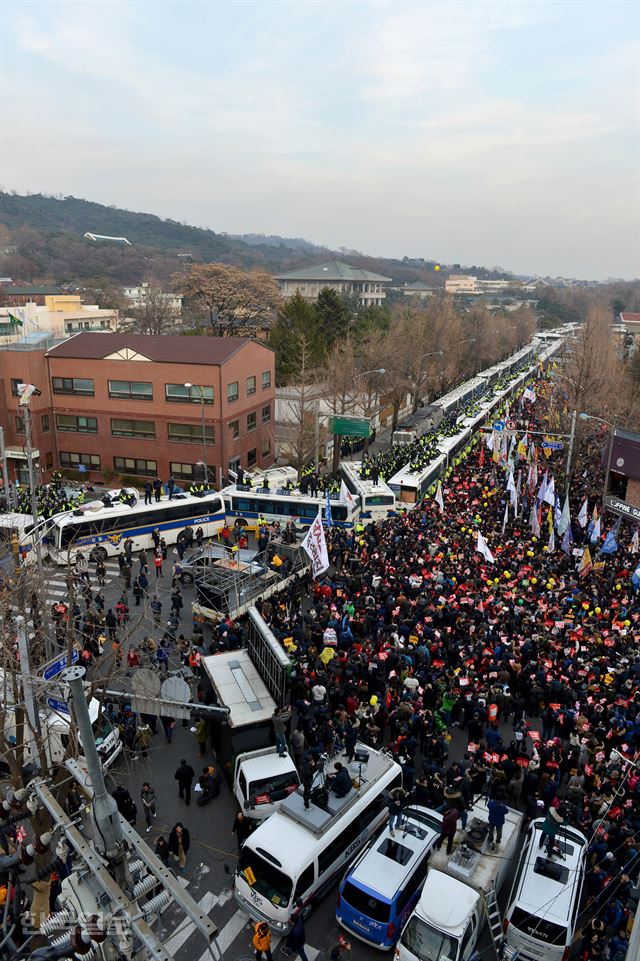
{"x":230,"y":932}
{"x":186,"y":928}
{"x":234,"y":927}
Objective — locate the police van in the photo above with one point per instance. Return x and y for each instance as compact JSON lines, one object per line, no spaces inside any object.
{"x":381,"y":888}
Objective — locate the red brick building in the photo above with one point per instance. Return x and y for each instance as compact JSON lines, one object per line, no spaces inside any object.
{"x":118,"y":403}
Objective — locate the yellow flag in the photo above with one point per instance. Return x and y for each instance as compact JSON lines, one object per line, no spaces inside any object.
{"x":585,"y":563}
{"x":550,"y":520}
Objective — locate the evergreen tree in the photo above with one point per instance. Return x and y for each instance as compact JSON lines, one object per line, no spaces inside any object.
{"x":296,"y":332}
{"x":334,"y":315}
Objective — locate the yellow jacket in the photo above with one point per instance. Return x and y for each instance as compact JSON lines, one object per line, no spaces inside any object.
{"x":261,"y":941}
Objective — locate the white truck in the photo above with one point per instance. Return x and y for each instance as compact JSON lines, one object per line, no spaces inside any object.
{"x":245,"y":742}
{"x":460,"y":892}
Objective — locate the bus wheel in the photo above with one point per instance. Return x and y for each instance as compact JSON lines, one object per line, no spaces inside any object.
{"x":98,"y":554}
{"x":186,"y":578}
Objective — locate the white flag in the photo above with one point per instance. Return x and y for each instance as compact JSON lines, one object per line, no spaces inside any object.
{"x":483,"y":548}
{"x":346,"y":497}
{"x":634,"y":546}
{"x":529,"y":395}
{"x":565,"y":517}
{"x":595,"y":533}
{"x":438,"y":497}
{"x":316,"y":546}
{"x":552,"y":542}
{"x":511,"y":487}
{"x":543,"y":488}
{"x":534,"y":522}
{"x":550,"y":493}
{"x":506,"y":516}
{"x":583,"y":516}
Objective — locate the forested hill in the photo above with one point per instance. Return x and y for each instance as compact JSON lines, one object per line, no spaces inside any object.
{"x":79,"y":216}
{"x":42,"y":238}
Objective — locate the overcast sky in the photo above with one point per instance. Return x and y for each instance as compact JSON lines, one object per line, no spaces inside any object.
{"x":495,"y":133}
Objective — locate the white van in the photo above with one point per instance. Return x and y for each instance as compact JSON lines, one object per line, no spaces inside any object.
{"x":540,"y":921}
{"x":296,"y":855}
{"x":262,"y":780}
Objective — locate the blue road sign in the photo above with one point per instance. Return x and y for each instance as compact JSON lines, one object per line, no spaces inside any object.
{"x":499,"y":425}
{"x":553,"y":444}
{"x":57,"y":705}
{"x":82,"y":469}
{"x":56,"y":667}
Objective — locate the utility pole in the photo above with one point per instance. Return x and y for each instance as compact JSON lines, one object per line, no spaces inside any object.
{"x":119,"y":877}
{"x":572,"y":437}
{"x":25,"y":405}
{"x":5,"y":472}
{"x":199,"y":387}
{"x":30,"y":707}
{"x":105,"y":810}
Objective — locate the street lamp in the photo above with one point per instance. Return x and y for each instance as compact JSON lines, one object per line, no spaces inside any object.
{"x":574,"y":414}
{"x":204,"y":430}
{"x":601,"y":420}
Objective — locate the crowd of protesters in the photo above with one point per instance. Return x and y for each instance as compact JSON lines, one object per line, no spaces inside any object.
{"x":414,"y":636}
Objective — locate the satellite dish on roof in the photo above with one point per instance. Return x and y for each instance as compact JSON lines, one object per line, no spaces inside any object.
{"x":175,"y":689}
{"x":145,"y":683}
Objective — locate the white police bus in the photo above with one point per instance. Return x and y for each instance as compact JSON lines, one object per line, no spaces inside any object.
{"x":246,"y":506}
{"x":376,"y":501}
{"x":98,"y":530}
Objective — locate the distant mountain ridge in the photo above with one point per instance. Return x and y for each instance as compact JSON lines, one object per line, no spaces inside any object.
{"x":42,"y":238}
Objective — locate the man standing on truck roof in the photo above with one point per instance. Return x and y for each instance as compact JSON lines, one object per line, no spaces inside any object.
{"x":497,"y":813}
{"x":280,"y":719}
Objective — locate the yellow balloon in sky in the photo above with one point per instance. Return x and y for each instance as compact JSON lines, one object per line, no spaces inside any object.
{"x":437,"y":267}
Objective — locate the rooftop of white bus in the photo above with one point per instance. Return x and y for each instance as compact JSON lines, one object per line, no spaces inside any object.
{"x":296,"y":834}
{"x":476,"y":383}
{"x":294,"y":493}
{"x":409,"y":478}
{"x":85,"y":512}
{"x":364,"y":485}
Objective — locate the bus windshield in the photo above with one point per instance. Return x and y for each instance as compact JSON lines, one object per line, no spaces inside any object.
{"x":380,"y":500}
{"x":270,"y":882}
{"x":427,"y":943}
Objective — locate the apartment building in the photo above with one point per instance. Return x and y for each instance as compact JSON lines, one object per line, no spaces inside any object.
{"x":141,"y":406}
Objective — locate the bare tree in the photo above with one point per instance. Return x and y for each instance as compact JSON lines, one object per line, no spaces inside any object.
{"x":301,"y":400}
{"x":155,"y":313}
